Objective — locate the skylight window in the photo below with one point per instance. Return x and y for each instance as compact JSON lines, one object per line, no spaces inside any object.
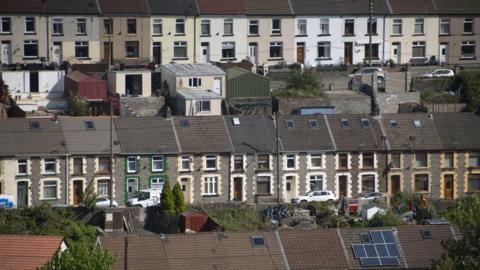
{"x":184,"y":123}
{"x":365,"y":238}
{"x":290,"y":124}
{"x":426,"y":234}
{"x":34,"y":125}
{"x":365,"y":123}
{"x":313,"y":123}
{"x":89,"y":125}
{"x":345,"y":123}
{"x":258,"y":241}
{"x":236,"y":121}
{"x":393,"y":124}
{"x":417,"y":123}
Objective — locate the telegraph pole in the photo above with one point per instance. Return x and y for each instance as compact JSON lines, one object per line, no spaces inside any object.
{"x":110,"y":22}
{"x":370,"y":6}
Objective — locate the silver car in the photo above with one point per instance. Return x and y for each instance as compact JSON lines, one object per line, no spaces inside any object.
{"x":439,"y":73}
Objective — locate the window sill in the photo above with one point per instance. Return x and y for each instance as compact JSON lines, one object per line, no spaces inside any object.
{"x":467,"y":58}
{"x":78,"y":174}
{"x":131,"y":34}
{"x":30,"y":33}
{"x":83,"y":58}
{"x":157,"y":35}
{"x":342,"y":169}
{"x":30,"y":57}
{"x":104,"y":173}
{"x":373,"y":35}
{"x":420,"y":168}
{"x":349,"y":35}
{"x":302,"y":35}
{"x":324,"y":59}
{"x":262,"y":170}
{"x":445,"y":35}
{"x":210,"y":195}
{"x":210,"y":170}
{"x":81,"y":35}
{"x":228,"y":59}
{"x":157,"y":171}
{"x":422,"y":191}
{"x":323,"y":35}
{"x":468,"y":34}
{"x":315,"y":168}
{"x":418,"y":35}
{"x":5,"y":34}
{"x":48,"y":199}
{"x":57,"y":35}
{"x":180,"y":58}
{"x":276,"y":35}
{"x":132,"y":172}
{"x":228,"y":35}
{"x":49,"y":173}
{"x":275,"y":59}
{"x":396,"y":35}
{"x":238,"y":171}
{"x":253,"y":35}
{"x":368,"y":168}
{"x":179,"y":35}
{"x":205,"y":35}
{"x":184,"y":171}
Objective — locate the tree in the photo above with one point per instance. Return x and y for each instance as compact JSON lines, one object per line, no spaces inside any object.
{"x":469,"y":83}
{"x":387,"y":219}
{"x":4,"y":93}
{"x":464,"y":252}
{"x":81,"y":256}
{"x":167,"y":204}
{"x":178,"y":199}
{"x":78,"y":107}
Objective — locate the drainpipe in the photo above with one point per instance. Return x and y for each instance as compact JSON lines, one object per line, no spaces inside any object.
{"x":67,"y":180}
{"x":230,"y":177}
{"x":384,"y":39}
{"x":195,"y":39}
{"x":278,"y":157}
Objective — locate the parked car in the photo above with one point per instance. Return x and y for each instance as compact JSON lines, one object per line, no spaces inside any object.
{"x":145,"y":198}
{"x":315,"y":196}
{"x":372,"y":196}
{"x":439,"y":73}
{"x":352,"y":206}
{"x":369,"y":70}
{"x":104,"y":203}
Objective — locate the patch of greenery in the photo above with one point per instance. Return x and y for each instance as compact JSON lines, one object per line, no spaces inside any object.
{"x":469,"y":83}
{"x":301,"y":84}
{"x":438,"y":97}
{"x":236,"y":218}
{"x":78,"y":107}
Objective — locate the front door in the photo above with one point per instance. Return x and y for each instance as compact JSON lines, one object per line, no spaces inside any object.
{"x":57,"y":52}
{"x":300,"y":53}
{"x":185,"y":184}
{"x":217,"y":86}
{"x":33,"y":82}
{"x":77,"y":192}
{"x":108,"y":52}
{"x":238,"y":189}
{"x":394,"y":184}
{"x":6,"y":51}
{"x":443,"y":53}
{"x":157,"y":53}
{"x":205,"y":52}
{"x":448,"y":186}
{"x":22,"y":194}
{"x":252,"y":53}
{"x":343,"y":186}
{"x":290,"y":188}
{"x":348,"y":54}
{"x":396,"y":52}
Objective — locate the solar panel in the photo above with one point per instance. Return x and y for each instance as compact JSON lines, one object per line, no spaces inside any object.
{"x":377,"y":237}
{"x":371,"y":251}
{"x":359,"y":251}
{"x":381,"y":250}
{"x":388,"y":237}
{"x":393,"y":250}
{"x":389,"y":261}
{"x":370,"y":262}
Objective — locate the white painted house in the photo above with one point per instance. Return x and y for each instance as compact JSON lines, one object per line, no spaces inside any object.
{"x":136,"y":82}
{"x":33,"y":89}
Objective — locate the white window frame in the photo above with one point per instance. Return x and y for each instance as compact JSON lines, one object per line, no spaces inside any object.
{"x":277,"y":31}
{"x":81,"y":44}
{"x":253,"y":22}
{"x":22,"y":162}
{"x":179,"y":22}
{"x":210,"y":158}
{"x":195,"y":82}
{"x":180,"y":44}
{"x":157,"y":23}
{"x":447,"y":23}
{"x":49,"y":161}
{"x":201,"y":106}
{"x":324,"y":26}
{"x":107,"y":187}
{"x":229,"y":45}
{"x":302,"y":27}
{"x":270,"y":182}
{"x":327,"y":49}
{"x":362,"y":160}
{"x":418,"y":44}
{"x":27,"y":20}
{"x":188,"y":160}
{"x":57,"y":22}
{"x":470,"y":21}
{"x":227,"y":22}
{"x":158,"y":180}
{"x":311,"y":157}
{"x":469,"y":43}
{"x":30,"y":42}
{"x":275,"y":44}
{"x":131,"y":159}
{"x":420,"y":22}
{"x":155,"y":159}
{"x":80,"y":21}
{"x":290,"y":157}
{"x":233,"y":163}
{"x":207,"y":25}
{"x":129,"y":179}
{"x":360,"y":181}
{"x":5,"y":19}
{"x":316,"y":177}
{"x":399,"y":24}
{"x":50,"y":185}
{"x":210,"y":185}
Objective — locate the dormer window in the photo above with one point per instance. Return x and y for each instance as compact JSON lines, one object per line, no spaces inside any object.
{"x":195,"y":82}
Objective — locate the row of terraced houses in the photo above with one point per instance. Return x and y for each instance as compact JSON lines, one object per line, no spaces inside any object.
{"x":266,"y":32}
{"x":245,"y":159}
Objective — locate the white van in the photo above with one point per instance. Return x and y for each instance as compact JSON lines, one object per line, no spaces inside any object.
{"x":145,"y":198}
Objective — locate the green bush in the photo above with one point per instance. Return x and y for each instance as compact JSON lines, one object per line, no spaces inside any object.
{"x":78,"y":107}
{"x":301,"y":84}
{"x":235,"y":218}
{"x":167,"y":204}
{"x":387,"y":219}
{"x":178,"y":199}
{"x":469,"y":81}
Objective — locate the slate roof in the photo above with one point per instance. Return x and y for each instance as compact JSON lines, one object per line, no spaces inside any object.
{"x":253,"y":135}
{"x":313,"y":249}
{"x":268,"y":7}
{"x":412,"y":7}
{"x":455,"y":7}
{"x":458,"y":130}
{"x":193,"y":69}
{"x":203,"y":134}
{"x":21,"y":252}
{"x":303,"y":138}
{"x":18,"y":139}
{"x":338,"y":7}
{"x":408,"y":137}
{"x":81,"y":140}
{"x":79,"y":76}
{"x":124,"y":7}
{"x":72,"y":7}
{"x":221,"y":7}
{"x":173,"y":7}
{"x":199,"y":251}
{"x":356,"y":137}
{"x":24,"y":6}
{"x":147,"y":135}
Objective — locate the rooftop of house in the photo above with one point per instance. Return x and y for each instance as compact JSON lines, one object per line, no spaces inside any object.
{"x":251,"y":134}
{"x":20,"y":252}
{"x":194,"y":69}
{"x":124,"y":7}
{"x":406,"y":247}
{"x":198,"y":94}
{"x":221,"y":7}
{"x":173,"y":7}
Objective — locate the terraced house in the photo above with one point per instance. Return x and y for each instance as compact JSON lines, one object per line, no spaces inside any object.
{"x":248,"y":159}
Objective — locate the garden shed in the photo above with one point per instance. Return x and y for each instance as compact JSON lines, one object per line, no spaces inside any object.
{"x":85,"y":86}
{"x":242,"y":83}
